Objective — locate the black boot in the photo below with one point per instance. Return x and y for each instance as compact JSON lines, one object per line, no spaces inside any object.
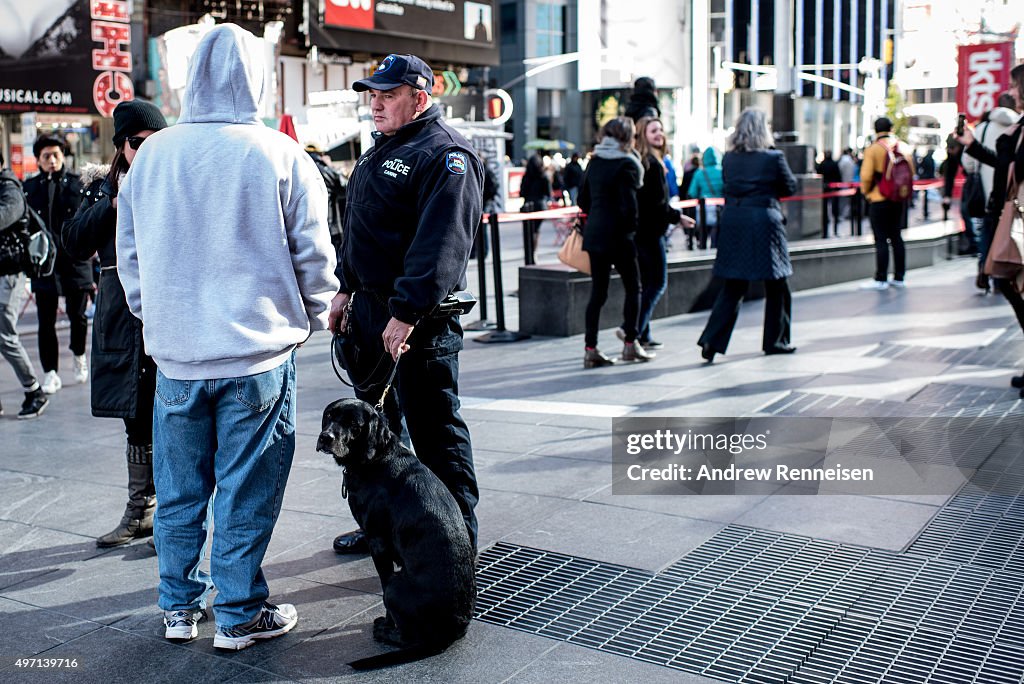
{"x":137,"y":521}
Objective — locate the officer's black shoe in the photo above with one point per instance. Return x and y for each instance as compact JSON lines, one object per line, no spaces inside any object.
{"x":351,"y":542}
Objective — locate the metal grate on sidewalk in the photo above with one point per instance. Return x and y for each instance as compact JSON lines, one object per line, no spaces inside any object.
{"x":702,"y":629}
{"x":751,"y":605}
{"x":975,"y":538}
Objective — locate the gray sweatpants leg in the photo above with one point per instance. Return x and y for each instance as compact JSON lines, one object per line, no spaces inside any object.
{"x":12,"y":298}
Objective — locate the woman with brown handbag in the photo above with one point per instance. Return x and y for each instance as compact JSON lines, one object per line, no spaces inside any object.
{"x":1008,"y":160}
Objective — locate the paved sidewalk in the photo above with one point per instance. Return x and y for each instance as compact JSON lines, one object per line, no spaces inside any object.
{"x":542,"y":435}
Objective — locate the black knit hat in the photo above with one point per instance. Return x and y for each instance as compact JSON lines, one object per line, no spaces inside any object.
{"x":133,"y":116}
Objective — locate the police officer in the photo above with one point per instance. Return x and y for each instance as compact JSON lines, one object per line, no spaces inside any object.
{"x":414,"y":202}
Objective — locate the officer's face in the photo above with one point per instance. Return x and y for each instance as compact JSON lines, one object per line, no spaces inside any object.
{"x":51,"y":159}
{"x":392,"y":109}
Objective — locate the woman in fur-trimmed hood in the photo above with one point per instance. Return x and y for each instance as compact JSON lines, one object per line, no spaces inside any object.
{"x":123,"y":375}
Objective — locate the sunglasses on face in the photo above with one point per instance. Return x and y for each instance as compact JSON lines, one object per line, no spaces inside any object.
{"x":135,"y":141}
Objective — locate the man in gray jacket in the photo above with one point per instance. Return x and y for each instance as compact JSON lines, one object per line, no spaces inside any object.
{"x":230,"y":268}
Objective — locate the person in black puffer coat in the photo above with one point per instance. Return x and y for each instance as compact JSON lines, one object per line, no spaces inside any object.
{"x":123,"y":376}
{"x":752,"y":237}
{"x":55,"y":194}
{"x":608,"y":196}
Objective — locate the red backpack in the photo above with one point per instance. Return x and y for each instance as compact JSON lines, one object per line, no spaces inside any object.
{"x":897,"y":180}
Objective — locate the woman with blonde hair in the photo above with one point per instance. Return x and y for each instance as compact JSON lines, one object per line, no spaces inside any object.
{"x":655,"y":216}
{"x":752,"y":237}
{"x":608,"y":197}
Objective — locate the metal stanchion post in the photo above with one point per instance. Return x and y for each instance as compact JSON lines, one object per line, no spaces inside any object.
{"x":925,"y":204}
{"x":702,"y":223}
{"x":857,"y":213}
{"x":481,"y":268}
{"x":835,"y":215}
{"x":528,"y":245}
{"x":824,"y":215}
{"x":499,"y":334}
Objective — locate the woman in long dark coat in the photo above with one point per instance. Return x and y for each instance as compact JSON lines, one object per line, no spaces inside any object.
{"x":123,"y":376}
{"x":752,"y":237}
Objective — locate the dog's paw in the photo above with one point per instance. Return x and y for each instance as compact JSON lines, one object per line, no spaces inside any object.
{"x":386,"y":632}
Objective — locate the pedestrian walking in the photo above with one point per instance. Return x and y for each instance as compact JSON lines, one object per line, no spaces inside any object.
{"x":608,"y":197}
{"x":886,"y":179}
{"x":55,"y":194}
{"x":831,"y":176}
{"x":123,"y":375}
{"x":706,"y":183}
{"x":752,"y":238}
{"x":1008,"y":151}
{"x":643,"y":101}
{"x":335,"y":191}
{"x":228,"y":279}
{"x":572,"y":176}
{"x":12,"y":298}
{"x":535,"y":189}
{"x":408,"y":238}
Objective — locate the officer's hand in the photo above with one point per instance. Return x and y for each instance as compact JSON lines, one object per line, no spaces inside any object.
{"x":338,"y":316}
{"x":687,"y":222}
{"x":395,"y":336}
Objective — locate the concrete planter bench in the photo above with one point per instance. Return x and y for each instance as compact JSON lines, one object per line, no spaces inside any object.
{"x":553,"y":297}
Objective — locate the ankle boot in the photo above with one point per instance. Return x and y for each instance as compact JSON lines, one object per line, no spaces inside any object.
{"x":593,"y":358}
{"x":137,"y":520}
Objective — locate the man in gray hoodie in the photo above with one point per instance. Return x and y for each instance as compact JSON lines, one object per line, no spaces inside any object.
{"x":230,"y":268}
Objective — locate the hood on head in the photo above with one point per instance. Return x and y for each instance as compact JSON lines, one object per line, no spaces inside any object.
{"x":225,"y":79}
{"x":1003,"y":116}
{"x":712,"y":157}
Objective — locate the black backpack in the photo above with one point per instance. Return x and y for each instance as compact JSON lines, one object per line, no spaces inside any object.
{"x":27,"y":246}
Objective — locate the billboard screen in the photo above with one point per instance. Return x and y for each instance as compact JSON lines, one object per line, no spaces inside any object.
{"x":67,"y":56}
{"x":450,"y":30}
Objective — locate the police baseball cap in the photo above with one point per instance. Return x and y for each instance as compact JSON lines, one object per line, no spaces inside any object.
{"x":398,"y":70}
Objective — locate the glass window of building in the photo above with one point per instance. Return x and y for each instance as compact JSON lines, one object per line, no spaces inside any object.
{"x":549,"y":29}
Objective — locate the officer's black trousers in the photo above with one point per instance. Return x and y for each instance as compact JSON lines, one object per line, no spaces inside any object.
{"x":425,"y":393}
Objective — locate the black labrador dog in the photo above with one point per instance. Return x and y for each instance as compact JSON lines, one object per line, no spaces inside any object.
{"x":416,"y":533}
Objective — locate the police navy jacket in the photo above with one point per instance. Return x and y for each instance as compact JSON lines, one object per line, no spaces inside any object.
{"x":414,"y":204}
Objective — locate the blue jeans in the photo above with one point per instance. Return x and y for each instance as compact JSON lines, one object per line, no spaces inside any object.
{"x":236,"y":435}
{"x":653,"y":263}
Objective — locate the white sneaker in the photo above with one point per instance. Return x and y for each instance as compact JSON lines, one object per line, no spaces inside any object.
{"x":51,"y":382}
{"x":898,"y":284}
{"x":180,"y":625}
{"x":81,"y":364}
{"x":875,"y":285}
{"x":273,"y":621}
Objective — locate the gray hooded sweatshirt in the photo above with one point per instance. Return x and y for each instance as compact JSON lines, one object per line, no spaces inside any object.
{"x":223,"y":246}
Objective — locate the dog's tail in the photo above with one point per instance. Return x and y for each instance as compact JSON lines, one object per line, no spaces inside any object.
{"x":403,"y":655}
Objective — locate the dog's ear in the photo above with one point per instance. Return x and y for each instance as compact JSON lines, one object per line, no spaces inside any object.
{"x":380,"y":439}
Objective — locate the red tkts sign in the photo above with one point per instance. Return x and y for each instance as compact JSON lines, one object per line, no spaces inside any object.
{"x":349,"y":13}
{"x":984,"y":74}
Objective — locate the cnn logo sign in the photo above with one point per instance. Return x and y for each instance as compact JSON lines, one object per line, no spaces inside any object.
{"x":349,"y":13}
{"x":984,"y":74}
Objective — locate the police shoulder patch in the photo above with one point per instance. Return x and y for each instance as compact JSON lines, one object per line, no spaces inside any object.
{"x":456,"y":163}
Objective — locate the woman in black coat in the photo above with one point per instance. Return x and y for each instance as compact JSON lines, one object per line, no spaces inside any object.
{"x":1009,"y":149}
{"x":655,"y":216}
{"x":752,"y":237}
{"x":535,"y":190}
{"x":608,"y":198}
{"x":123,"y":376}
